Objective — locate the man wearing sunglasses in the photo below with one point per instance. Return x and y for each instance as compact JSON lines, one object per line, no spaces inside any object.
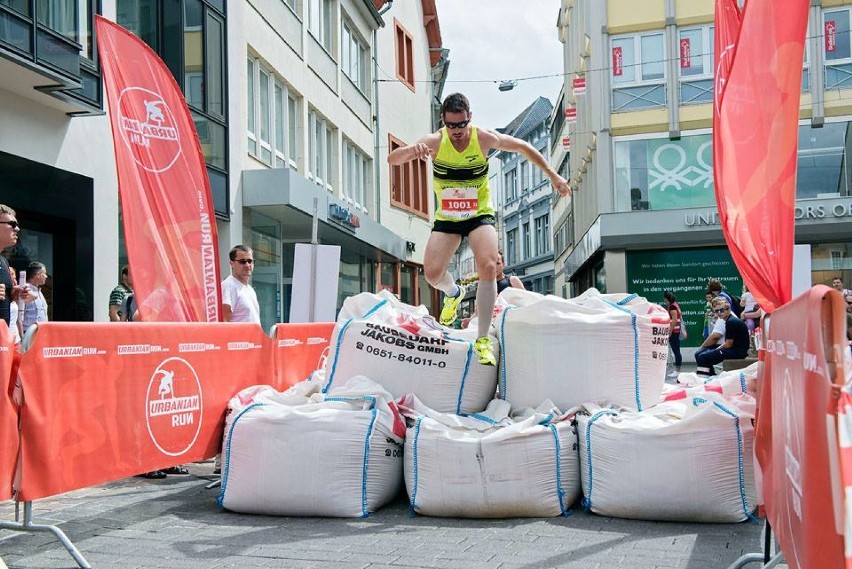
{"x":459,"y":153}
{"x":736,"y":342}
{"x":239,"y":301}
{"x":9,"y":231}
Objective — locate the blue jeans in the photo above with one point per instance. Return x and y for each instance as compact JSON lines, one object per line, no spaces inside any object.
{"x":674,"y":344}
{"x":708,"y":357}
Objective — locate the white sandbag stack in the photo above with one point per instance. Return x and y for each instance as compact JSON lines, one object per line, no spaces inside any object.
{"x":688,"y":461}
{"x":488,"y":465}
{"x":591,"y":348}
{"x":405,"y":350}
{"x":304,"y":453}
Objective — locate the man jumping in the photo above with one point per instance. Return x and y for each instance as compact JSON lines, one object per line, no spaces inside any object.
{"x":459,"y":153}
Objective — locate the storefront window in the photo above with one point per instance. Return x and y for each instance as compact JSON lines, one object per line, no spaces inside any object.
{"x":831,"y":260}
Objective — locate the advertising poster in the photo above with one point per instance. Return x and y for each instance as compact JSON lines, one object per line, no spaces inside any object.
{"x":685,"y":272}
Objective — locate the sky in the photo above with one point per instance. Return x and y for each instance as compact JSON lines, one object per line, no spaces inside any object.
{"x":495,"y":40}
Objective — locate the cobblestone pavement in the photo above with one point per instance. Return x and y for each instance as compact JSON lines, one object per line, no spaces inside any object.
{"x":139,"y":523}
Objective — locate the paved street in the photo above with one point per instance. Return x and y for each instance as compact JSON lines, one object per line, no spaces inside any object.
{"x":136,"y":523}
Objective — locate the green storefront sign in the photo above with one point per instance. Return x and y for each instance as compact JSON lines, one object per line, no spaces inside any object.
{"x":685,"y":272}
{"x":680,"y":172}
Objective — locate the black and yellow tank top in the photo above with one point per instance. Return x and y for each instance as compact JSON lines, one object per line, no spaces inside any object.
{"x":460,"y":180}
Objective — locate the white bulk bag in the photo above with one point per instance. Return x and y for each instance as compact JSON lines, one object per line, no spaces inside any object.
{"x":487,"y":465}
{"x":405,"y":350}
{"x":687,"y":461}
{"x":727,"y":383}
{"x":304,"y":453}
{"x":592,"y":348}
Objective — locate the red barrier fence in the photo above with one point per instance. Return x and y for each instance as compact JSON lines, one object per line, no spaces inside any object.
{"x":796,"y":440}
{"x":105,"y":401}
{"x":8,"y":414}
{"x":298,"y":350}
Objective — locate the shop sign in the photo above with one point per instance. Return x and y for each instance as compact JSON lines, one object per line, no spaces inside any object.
{"x":342,"y":216}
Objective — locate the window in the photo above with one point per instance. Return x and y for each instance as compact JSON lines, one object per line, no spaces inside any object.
{"x":542,"y":235}
{"x":525,"y":178}
{"x":356,"y":168}
{"x":527,"y":241}
{"x":511,"y":179}
{"x":320,"y":16}
{"x":60,"y":16}
{"x":638,"y":72}
{"x":353,"y":58}
{"x":271,"y":117}
{"x":404,"y":55}
{"x":321,"y":157}
{"x":695,"y":64}
{"x":511,"y":247}
{"x":409,"y":183}
{"x":836,"y":46}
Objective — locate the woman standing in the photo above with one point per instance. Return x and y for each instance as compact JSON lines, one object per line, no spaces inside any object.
{"x":674,"y":331}
{"x":35,"y":311}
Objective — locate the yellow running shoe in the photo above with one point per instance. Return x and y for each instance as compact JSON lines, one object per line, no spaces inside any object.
{"x":449,"y":312}
{"x":485,"y":351}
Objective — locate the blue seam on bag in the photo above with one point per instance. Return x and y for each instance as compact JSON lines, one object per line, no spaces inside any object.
{"x":503,"y":352}
{"x":635,"y":351}
{"x":560,"y":492}
{"x":743,"y":382}
{"x":587,"y":501}
{"x":743,"y":498}
{"x":336,"y":355}
{"x":340,"y":340}
{"x":226,"y":467}
{"x":627,"y":298}
{"x":372,"y":400}
{"x":464,"y":376}
{"x":483,"y":418}
{"x":413,"y":504}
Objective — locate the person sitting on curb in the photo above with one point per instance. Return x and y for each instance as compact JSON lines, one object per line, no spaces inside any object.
{"x":736,"y":342}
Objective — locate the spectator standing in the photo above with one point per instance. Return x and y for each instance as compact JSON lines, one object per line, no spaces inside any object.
{"x":239,"y":301}
{"x":119,"y":295}
{"x":9,"y":231}
{"x":674,"y":330}
{"x":736,"y":342}
{"x":35,"y":311}
{"x":837,"y":284}
{"x":709,"y":315}
{"x":750,"y":309}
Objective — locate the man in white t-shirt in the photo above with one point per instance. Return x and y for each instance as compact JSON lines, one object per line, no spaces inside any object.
{"x":239,"y":301}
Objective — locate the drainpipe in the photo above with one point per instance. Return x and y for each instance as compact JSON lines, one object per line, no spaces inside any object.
{"x":377,"y":167}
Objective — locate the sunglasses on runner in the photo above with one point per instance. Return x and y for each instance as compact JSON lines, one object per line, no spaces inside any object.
{"x":245,"y":261}
{"x":456,"y":125}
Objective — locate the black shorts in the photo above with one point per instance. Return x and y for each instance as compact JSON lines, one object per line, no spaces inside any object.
{"x":463,"y":228}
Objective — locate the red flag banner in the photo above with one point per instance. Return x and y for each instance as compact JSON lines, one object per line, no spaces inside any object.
{"x":8,"y":414}
{"x":685,"y":53}
{"x":759,"y":54}
{"x":169,"y":225}
{"x":796,"y":433}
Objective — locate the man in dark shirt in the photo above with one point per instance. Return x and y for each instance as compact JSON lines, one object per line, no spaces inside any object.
{"x":734,"y":347}
{"x":9,"y":231}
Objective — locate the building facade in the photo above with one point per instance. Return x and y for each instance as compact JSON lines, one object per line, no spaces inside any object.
{"x":644,"y":213}
{"x":285,"y":97}
{"x":526,"y":202}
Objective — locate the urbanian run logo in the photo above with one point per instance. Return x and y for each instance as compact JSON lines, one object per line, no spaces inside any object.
{"x":149,"y":129}
{"x":174,"y":406}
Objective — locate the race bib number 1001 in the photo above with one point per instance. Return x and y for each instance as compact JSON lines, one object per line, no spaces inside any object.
{"x":459,"y":203}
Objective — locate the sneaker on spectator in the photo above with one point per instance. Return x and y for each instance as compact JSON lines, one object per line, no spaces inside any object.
{"x":449,"y":312}
{"x":485,"y":351}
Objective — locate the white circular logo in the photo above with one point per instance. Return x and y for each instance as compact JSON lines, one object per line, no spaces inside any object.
{"x":148,"y":129}
{"x":173,"y":406}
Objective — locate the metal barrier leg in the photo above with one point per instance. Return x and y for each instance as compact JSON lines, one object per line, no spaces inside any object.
{"x":28,"y":525}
